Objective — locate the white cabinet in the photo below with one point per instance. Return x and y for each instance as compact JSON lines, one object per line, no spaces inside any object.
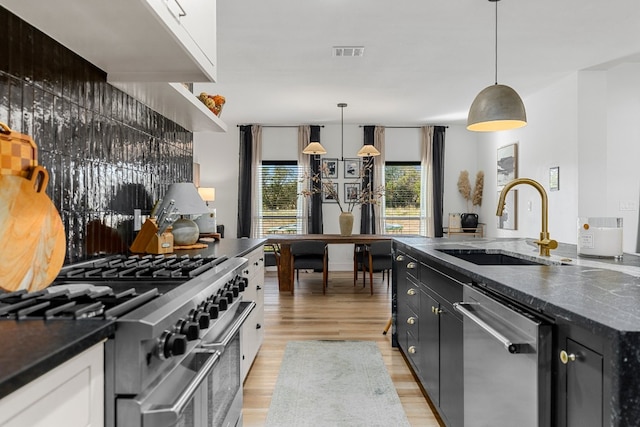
{"x":70,"y":395}
{"x":132,"y":40}
{"x":252,"y":333}
{"x":146,"y":47}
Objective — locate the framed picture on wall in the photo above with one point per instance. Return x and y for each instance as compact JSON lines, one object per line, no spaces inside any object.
{"x":330,"y":168}
{"x":352,"y":168}
{"x":330,"y":196}
{"x":554,"y":178}
{"x":509,"y":218}
{"x":507,"y":164}
{"x":351,"y":191}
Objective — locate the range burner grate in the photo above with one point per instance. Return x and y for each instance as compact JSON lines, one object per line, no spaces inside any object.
{"x":141,"y":267}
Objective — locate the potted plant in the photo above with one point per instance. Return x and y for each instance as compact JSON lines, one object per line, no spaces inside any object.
{"x":469,"y":219}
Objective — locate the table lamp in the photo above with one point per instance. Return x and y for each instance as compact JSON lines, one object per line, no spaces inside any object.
{"x":207,"y":221}
{"x":187,"y":202}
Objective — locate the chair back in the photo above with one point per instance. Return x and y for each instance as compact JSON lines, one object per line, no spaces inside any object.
{"x":308,"y":247}
{"x":380,"y":248}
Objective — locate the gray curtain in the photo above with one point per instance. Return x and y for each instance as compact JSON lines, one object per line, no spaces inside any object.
{"x":438,"y":178}
{"x":244,"y":182}
{"x":367,"y":214}
{"x":315,"y":210}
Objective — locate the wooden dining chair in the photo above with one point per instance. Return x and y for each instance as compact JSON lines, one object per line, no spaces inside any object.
{"x":379,"y":259}
{"x":359,"y":252}
{"x":309,"y":254}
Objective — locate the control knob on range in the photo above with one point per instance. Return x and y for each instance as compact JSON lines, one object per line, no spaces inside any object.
{"x":242,"y":282}
{"x":201,"y":317}
{"x":211,"y":308}
{"x":188,"y":328}
{"x":171,"y":344}
{"x":221,"y":302}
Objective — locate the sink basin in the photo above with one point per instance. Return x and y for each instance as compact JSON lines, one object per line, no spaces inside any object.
{"x":481,"y":257}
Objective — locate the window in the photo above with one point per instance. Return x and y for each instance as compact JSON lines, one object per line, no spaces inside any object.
{"x":402,"y":197}
{"x":279,"y":183}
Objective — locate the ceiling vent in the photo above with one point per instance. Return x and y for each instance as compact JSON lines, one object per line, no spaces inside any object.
{"x":348,"y":51}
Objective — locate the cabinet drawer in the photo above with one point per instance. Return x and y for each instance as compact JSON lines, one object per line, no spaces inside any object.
{"x":443,"y":281}
{"x":410,"y":321}
{"x":413,"y":267}
{"x":412,"y":296}
{"x":413,"y":353}
{"x":256,"y":262}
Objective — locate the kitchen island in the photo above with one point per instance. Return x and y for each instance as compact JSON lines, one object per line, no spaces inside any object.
{"x":592,"y":304}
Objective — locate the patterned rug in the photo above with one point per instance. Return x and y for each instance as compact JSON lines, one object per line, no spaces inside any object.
{"x":334,"y":383}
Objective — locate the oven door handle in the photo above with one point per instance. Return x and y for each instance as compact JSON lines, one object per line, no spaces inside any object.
{"x":235,"y":327}
{"x":169,"y":415}
{"x":511,"y":347}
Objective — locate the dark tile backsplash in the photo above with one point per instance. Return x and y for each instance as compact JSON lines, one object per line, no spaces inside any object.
{"x":107,"y":154}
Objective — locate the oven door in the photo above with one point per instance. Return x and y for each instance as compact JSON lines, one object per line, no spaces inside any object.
{"x":204,"y":390}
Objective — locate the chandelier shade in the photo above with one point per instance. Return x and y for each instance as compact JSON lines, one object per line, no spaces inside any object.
{"x":314,"y":148}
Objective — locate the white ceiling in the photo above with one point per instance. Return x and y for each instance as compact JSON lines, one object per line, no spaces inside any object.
{"x":424,"y":60}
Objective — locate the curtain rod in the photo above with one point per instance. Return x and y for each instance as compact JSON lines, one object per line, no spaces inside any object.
{"x":406,"y":127}
{"x":278,"y":126}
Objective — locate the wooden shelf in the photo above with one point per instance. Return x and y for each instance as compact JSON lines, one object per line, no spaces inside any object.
{"x":175,"y":102}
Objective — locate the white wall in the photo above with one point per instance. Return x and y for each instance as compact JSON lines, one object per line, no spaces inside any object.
{"x":584,"y":123}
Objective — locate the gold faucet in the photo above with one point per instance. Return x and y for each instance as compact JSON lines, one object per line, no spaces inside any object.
{"x":544,"y":243}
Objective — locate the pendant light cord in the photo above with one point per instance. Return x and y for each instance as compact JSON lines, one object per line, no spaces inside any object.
{"x":496,"y":46}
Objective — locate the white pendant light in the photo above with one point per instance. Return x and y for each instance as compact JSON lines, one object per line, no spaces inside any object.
{"x":497,"y":107}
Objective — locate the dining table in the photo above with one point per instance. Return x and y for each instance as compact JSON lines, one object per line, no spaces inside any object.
{"x":284,"y":242}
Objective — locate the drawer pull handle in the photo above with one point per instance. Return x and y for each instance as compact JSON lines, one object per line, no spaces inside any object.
{"x":411,"y":291}
{"x":400,"y":258}
{"x":412,"y":349}
{"x":411,"y":265}
{"x":436,"y":310}
{"x":566,"y":357}
{"x":411,"y":320}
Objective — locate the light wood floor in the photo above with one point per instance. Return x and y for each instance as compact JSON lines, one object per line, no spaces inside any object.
{"x":344,"y":313}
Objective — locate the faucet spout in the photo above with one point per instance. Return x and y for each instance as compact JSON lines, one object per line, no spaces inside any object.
{"x":545,"y":243}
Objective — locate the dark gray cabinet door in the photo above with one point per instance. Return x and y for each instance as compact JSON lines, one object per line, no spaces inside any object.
{"x":429,"y":346}
{"x":451,"y":368}
{"x":584,"y":387}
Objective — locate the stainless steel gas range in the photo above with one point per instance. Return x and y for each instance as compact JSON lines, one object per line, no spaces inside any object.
{"x":175,"y":357}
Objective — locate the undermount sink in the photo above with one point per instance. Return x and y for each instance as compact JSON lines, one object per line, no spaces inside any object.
{"x":482,"y":257}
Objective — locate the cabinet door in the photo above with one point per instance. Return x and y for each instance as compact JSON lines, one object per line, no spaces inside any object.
{"x":584,"y":386}
{"x":451,"y":367}
{"x":429,"y":345}
{"x":198,"y":18}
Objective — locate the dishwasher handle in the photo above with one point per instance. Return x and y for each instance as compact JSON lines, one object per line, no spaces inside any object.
{"x":511,"y":347}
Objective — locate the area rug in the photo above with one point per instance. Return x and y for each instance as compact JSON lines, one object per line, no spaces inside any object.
{"x":334,"y":383}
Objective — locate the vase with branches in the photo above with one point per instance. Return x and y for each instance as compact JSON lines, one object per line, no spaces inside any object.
{"x":319,"y":183}
{"x":473,"y":198}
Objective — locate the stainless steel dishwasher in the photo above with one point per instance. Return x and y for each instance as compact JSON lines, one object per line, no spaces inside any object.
{"x":507,"y":363}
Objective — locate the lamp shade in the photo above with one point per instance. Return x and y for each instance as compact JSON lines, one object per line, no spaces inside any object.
{"x":497,"y":107}
{"x":186,"y":198}
{"x":208,"y":194}
{"x":314,"y":148}
{"x":368,"y":151}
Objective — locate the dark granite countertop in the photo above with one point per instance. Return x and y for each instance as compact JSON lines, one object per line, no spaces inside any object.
{"x":34,"y":347}
{"x":601,"y":295}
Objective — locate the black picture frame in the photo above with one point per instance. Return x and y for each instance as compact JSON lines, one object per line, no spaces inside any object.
{"x":327,"y":197}
{"x":352,"y":168}
{"x":330,"y":168}
{"x":351,"y":191}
